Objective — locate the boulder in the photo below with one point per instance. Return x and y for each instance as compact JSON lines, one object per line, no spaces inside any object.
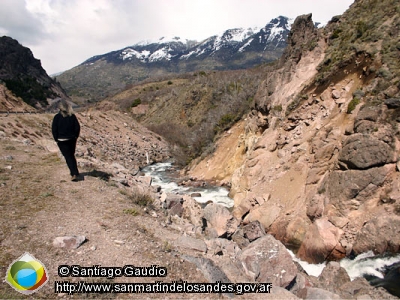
{"x":392,"y":102}
{"x":336,"y":94}
{"x":299,"y":283}
{"x":370,"y":113}
{"x":359,"y":288}
{"x":249,"y":203}
{"x":381,"y":234}
{"x":220,"y":219}
{"x":192,"y":211}
{"x":210,"y":270}
{"x":239,"y":239}
{"x":296,"y":231}
{"x":145,"y":180}
{"x":253,"y":231}
{"x":362,"y":152}
{"x":316,"y":206}
{"x":172,"y":199}
{"x":266,"y":214}
{"x":333,"y":276}
{"x":321,"y":239}
{"x":267,"y":260}
{"x":345,"y":187}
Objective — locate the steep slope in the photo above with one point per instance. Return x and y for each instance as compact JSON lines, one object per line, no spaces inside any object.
{"x":320,"y":149}
{"x":239,"y":48}
{"x":24,"y":75}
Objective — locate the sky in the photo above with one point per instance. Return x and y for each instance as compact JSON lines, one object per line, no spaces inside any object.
{"x":65,"y":33}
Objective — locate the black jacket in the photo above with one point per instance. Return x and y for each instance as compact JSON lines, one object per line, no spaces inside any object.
{"x":65,"y":127}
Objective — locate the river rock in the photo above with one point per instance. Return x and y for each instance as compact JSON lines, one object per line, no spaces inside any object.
{"x":247,"y":204}
{"x":253,"y":231}
{"x":239,"y":239}
{"x":333,"y":276}
{"x":380,"y":234}
{"x":359,"y":288}
{"x":266,"y":214}
{"x":220,"y":219}
{"x":321,"y":239}
{"x":192,"y":211}
{"x":210,"y":270}
{"x":267,"y":260}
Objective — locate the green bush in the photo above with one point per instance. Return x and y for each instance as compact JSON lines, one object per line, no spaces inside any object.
{"x":136,"y":102}
{"x":352,"y":105}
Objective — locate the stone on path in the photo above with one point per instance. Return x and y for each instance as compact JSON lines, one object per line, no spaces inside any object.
{"x":69,"y":242}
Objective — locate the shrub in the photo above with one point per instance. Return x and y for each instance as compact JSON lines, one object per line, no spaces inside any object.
{"x":131,"y":211}
{"x":136,"y":102}
{"x":352,"y":105}
{"x":225,"y":121}
{"x":142,"y":199}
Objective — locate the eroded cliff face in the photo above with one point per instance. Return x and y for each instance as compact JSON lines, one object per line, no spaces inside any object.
{"x":313,"y":163}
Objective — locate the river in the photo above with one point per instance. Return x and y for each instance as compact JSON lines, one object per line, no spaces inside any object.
{"x":165,"y":176}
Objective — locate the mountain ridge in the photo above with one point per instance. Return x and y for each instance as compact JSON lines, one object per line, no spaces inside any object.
{"x":104,"y":75}
{"x":275,"y":31}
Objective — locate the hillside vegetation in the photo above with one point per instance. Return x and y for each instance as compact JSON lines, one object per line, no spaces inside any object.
{"x":191,"y":110}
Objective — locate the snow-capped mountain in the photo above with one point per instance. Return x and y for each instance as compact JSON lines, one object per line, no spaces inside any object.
{"x":233,"y":49}
{"x":223,"y":46}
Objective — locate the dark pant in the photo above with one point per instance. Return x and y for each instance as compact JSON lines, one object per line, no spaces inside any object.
{"x":67,"y":149}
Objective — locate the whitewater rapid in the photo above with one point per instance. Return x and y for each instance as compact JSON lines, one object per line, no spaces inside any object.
{"x":163,"y":176}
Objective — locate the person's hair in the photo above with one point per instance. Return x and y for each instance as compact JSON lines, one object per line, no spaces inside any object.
{"x":65,"y":108}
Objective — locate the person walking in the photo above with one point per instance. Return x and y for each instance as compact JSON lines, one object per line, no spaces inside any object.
{"x":65,"y":129}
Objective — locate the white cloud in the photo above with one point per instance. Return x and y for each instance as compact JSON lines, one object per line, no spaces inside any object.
{"x":64,"y":33}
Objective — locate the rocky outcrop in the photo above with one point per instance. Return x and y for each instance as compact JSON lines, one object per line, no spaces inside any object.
{"x":320,"y":169}
{"x":24,"y":76}
{"x":363,"y":152}
{"x":381,"y":232}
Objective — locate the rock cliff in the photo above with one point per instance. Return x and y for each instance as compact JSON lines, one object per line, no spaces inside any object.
{"x":316,"y":160}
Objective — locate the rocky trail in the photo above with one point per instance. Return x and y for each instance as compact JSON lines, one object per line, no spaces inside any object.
{"x":40,"y":203}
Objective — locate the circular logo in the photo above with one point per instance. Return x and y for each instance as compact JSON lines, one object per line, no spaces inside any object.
{"x":26,"y":275}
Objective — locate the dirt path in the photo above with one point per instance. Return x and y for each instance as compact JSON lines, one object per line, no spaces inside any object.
{"x":38,"y":203}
